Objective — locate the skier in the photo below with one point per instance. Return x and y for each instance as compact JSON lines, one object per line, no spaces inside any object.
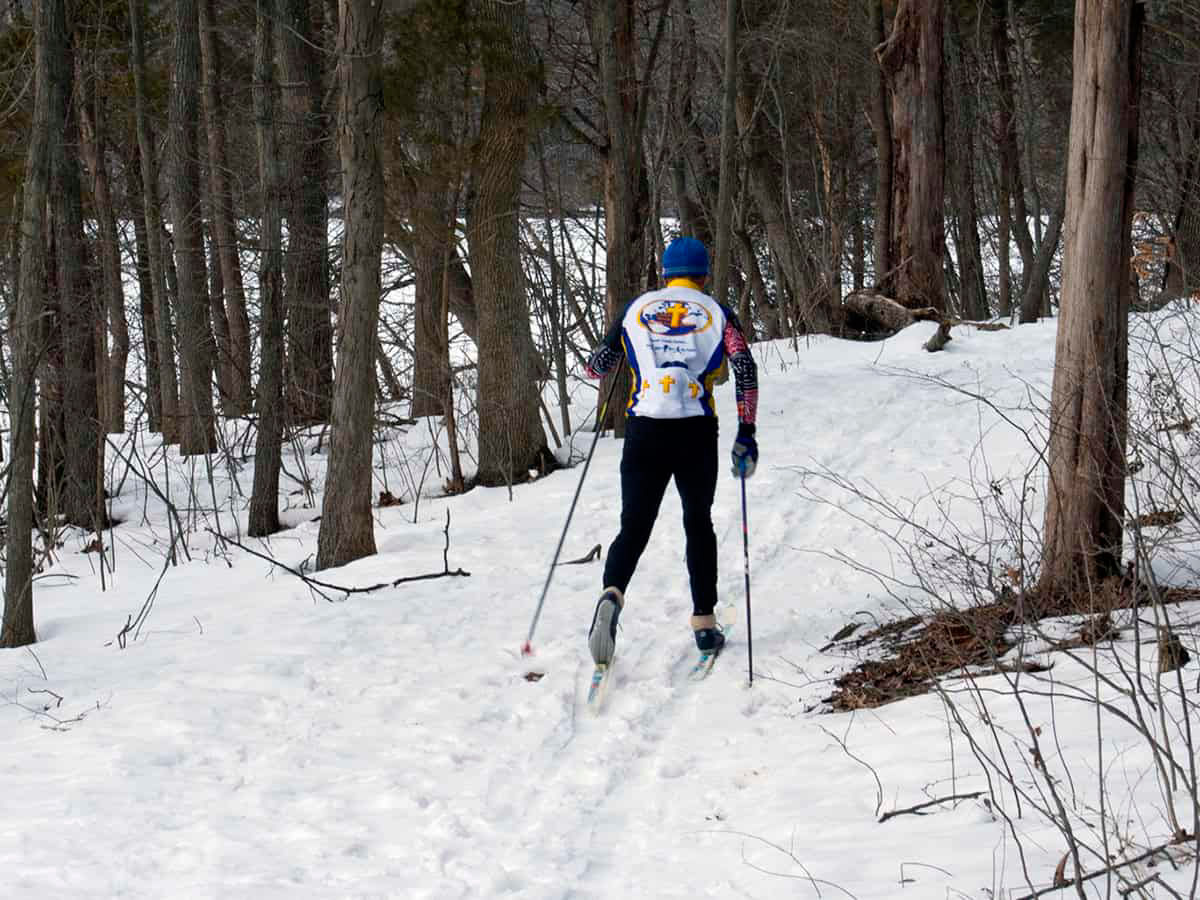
{"x":676,"y":341}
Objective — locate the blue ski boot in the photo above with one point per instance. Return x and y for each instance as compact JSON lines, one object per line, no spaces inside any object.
{"x":709,"y":638}
{"x":602,"y":636}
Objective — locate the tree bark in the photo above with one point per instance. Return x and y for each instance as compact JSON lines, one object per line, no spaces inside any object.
{"x":224,"y":230}
{"x":881,"y":125}
{"x":25,"y":335}
{"x":1182,"y":275}
{"x":93,"y":145}
{"x":722,"y":254}
{"x":306,"y":206}
{"x":511,"y":440}
{"x":626,"y":187}
{"x":264,"y":497}
{"x":961,"y":175}
{"x":1038,"y":277}
{"x":80,"y":321}
{"x":197,"y":431}
{"x":145,"y":278}
{"x":163,"y":330}
{"x":1086,"y":495}
{"x":912,"y":59}
{"x":347,"y":530}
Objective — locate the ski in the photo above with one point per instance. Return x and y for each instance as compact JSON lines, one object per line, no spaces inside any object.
{"x":703,"y":666}
{"x":599,"y":686}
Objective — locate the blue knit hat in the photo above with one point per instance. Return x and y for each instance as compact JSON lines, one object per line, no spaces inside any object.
{"x":684,"y":256}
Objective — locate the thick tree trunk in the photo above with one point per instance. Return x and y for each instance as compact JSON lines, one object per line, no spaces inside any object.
{"x":264,"y":498}
{"x":432,"y":239}
{"x":611,"y":26}
{"x":309,"y":329}
{"x":347,"y":530}
{"x":80,"y":319}
{"x":912,"y":59}
{"x":224,"y":230}
{"x":1086,"y":494}
{"x":511,"y":441}
{"x":1013,"y":214}
{"x":25,"y":334}
{"x":197,"y":431}
{"x":961,"y":127}
{"x":163,"y":329}
{"x":112,"y":392}
{"x":723,"y":251}
{"x":881,"y":125}
{"x":1182,"y":274}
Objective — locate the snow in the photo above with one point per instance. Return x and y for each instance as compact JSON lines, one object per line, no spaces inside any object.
{"x":254,"y":739}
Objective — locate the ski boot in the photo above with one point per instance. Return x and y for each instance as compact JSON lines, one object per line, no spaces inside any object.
{"x":602,"y":636}
{"x":709,"y":638}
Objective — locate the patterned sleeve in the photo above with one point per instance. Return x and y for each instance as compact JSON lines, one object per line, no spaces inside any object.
{"x":611,"y":351}
{"x":745,"y":371}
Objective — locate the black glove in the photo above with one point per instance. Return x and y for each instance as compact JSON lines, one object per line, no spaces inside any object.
{"x":745,"y":452}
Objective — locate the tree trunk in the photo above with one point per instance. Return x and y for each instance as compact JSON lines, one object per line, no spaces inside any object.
{"x":92,"y":121}
{"x":197,"y":431}
{"x":264,"y":498}
{"x":511,"y":441}
{"x":1182,"y":275}
{"x":611,"y":26}
{"x":961,"y":176}
{"x":433,"y":234}
{"x":25,"y":335}
{"x":306,"y":204}
{"x":80,"y":320}
{"x":912,"y":59}
{"x":347,"y":530}
{"x":765,"y":180}
{"x":1038,"y":277}
{"x":724,"y":225}
{"x":881,"y":125}
{"x":224,"y":229}
{"x":163,"y":331}
{"x":1086,"y":495}
{"x":145,"y":278}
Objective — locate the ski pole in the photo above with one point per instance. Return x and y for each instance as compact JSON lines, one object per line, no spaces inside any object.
{"x":746,"y":560}
{"x":527,"y":647}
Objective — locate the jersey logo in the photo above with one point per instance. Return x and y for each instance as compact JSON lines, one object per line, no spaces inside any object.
{"x":674,"y":317}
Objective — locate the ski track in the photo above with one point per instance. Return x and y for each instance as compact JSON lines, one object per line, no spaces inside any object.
{"x":390,"y":745}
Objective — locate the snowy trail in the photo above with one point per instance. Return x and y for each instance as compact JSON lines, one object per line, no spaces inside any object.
{"x":258,"y":743}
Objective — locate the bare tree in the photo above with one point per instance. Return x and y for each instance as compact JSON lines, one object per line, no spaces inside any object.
{"x":197,"y":432}
{"x":79,"y":321}
{"x":264,"y":498}
{"x":309,"y":330}
{"x":234,"y":358}
{"x":49,"y":108}
{"x":152,"y":212}
{"x":1085,"y":506}
{"x":511,"y":441}
{"x":611,"y":27}
{"x":347,"y":531}
{"x":93,"y":120}
{"x":912,"y":59}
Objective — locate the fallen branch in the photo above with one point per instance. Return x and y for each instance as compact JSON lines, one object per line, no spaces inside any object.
{"x":916,"y":810}
{"x":317,"y":585}
{"x":592,"y":555}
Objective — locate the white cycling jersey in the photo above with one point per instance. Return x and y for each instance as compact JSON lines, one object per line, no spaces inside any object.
{"x":675,"y":343}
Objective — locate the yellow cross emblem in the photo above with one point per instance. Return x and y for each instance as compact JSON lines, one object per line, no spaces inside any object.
{"x":678,"y":311}
{"x":666,"y":383}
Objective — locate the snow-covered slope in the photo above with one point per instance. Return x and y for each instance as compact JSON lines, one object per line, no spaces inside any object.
{"x":258,"y":741}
